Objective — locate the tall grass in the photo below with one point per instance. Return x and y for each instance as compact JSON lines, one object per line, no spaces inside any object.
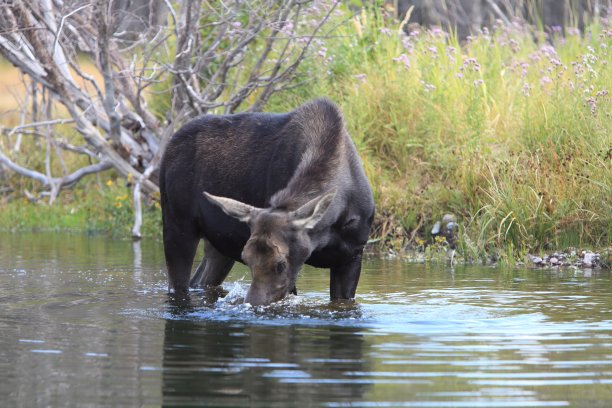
{"x":511,"y":130}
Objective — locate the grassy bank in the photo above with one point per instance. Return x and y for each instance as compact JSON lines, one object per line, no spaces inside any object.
{"x":100,"y":206}
{"x":510,"y":131}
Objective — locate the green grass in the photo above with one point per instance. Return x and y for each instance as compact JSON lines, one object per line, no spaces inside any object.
{"x":100,"y":206}
{"x":507,"y":131}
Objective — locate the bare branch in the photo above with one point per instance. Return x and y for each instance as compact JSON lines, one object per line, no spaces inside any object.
{"x":76,"y":149}
{"x":33,"y":174}
{"x":60,"y":181}
{"x":61,"y":26}
{"x":18,"y":129}
{"x":84,"y":171}
{"x":137,"y":211}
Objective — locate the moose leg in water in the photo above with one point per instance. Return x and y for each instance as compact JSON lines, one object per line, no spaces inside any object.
{"x":197,"y":277}
{"x":180,"y":244}
{"x":213,"y":269}
{"x":344,"y":279}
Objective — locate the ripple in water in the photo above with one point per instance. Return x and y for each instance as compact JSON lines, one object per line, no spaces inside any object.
{"x":94,"y":314}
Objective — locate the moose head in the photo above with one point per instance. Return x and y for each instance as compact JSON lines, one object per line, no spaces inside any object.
{"x":279,"y":244}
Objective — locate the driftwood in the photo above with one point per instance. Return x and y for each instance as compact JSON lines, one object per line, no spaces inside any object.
{"x":213,"y":56}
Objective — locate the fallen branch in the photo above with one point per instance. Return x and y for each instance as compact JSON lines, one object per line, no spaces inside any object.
{"x":61,"y":182}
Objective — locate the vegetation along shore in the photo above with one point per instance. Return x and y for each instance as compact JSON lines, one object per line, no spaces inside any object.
{"x":509,"y":130}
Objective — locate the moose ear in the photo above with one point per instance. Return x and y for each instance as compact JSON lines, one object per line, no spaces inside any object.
{"x":233,"y":208}
{"x":309,"y":215}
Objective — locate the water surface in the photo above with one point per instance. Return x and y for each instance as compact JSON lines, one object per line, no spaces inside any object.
{"x":84,"y":321}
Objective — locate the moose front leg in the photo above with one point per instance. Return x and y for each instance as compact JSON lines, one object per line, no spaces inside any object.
{"x":344,"y":279}
{"x":180,"y":244}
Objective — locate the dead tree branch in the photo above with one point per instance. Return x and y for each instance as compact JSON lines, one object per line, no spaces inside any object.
{"x":125,"y":88}
{"x":66,"y":181}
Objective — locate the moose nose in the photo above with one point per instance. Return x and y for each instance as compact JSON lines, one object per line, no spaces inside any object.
{"x":253,"y":299}
{"x":258,"y":295}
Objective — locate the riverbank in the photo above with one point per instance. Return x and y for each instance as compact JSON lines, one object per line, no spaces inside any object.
{"x":585,"y":260}
{"x":98,"y":206}
{"x":105,"y":210}
{"x":509,"y":131}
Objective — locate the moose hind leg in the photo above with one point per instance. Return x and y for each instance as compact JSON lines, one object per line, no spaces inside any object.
{"x":344,"y":279}
{"x":213,"y":269}
{"x":199,"y":273}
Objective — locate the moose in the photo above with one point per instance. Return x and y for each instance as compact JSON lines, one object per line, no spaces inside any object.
{"x":274,"y":191}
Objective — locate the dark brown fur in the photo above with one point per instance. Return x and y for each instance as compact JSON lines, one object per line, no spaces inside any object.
{"x":283,"y":190}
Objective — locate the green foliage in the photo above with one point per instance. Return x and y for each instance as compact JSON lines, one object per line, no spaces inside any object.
{"x":95,"y":207}
{"x":117,"y":211}
{"x":509,"y":132}
{"x":506,"y":130}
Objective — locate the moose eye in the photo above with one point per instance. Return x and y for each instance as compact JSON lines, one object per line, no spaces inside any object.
{"x":280,"y":267}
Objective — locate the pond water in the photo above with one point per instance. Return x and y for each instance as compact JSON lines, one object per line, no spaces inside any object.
{"x":84,"y":321}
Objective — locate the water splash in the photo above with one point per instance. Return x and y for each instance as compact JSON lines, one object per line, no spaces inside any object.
{"x":312,"y":308}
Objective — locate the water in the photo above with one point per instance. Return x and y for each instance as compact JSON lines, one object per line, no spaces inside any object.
{"x":86,"y":322}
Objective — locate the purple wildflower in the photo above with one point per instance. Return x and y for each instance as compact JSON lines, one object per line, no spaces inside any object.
{"x":545,"y":80}
{"x":526,"y":89}
{"x":403,"y":58}
{"x":361,"y":78}
{"x":438,"y":32}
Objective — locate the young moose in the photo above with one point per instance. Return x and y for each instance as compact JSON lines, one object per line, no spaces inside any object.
{"x":274,"y":191}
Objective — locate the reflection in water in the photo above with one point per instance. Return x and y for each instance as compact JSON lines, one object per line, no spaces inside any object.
{"x":221,"y":363}
{"x":137,"y":262}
